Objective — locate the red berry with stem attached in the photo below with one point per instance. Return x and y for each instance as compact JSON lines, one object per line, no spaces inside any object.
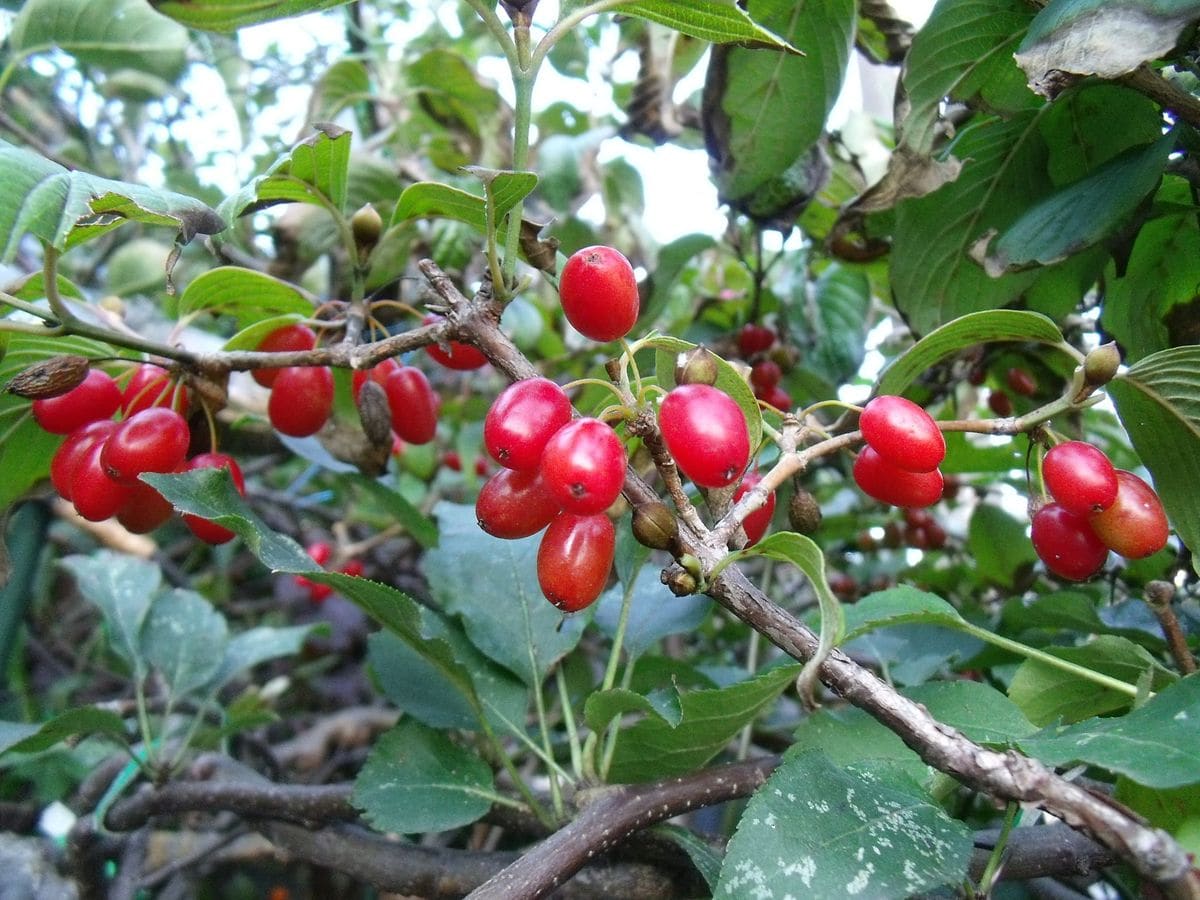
{"x":301,"y":400}
{"x":754,"y":338}
{"x":522,"y":420}
{"x":290,"y":337}
{"x":1066,"y":543}
{"x":1080,"y":477}
{"x":513,"y":504}
{"x":902,"y":433}
{"x":205,"y":529}
{"x":455,"y":354}
{"x":583,"y":465}
{"x":96,"y":397}
{"x":599,"y":293}
{"x":70,"y":451}
{"x":1135,"y":526}
{"x":706,"y":433}
{"x":756,"y":523}
{"x":888,"y":483}
{"x":414,"y":405}
{"x":764,"y":375}
{"x":95,"y":495}
{"x":574,"y":559}
{"x":149,"y":386}
{"x":153,"y":440}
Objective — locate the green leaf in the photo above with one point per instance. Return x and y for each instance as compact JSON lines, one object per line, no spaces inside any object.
{"x":706,"y":860}
{"x":966,"y":331}
{"x":64,"y":208}
{"x":314,"y":171}
{"x":449,"y":90}
{"x":343,"y":84}
{"x":708,"y":20}
{"x":604,"y":706}
{"x":417,"y":780}
{"x":229,"y":15}
{"x":1158,"y":401}
{"x":997,"y":544}
{"x":504,"y":614}
{"x":1047,"y":693}
{"x":20,"y":737}
{"x":1175,"y":809}
{"x":123,"y":588}
{"x":250,"y":337}
{"x":654,"y":748}
{"x":246,"y":295}
{"x":108,"y":34}
{"x":1155,"y":745}
{"x":672,"y":259}
{"x":257,"y":645}
{"x":419,"y":526}
{"x":503,"y":190}
{"x":184,"y":638}
{"x":898,"y":606}
{"x":654,"y":612}
{"x":432,"y":200}
{"x":814,"y":830}
{"x":836,"y":327}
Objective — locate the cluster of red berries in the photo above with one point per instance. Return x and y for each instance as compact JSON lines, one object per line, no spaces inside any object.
{"x":918,"y":530}
{"x":1096,"y":508}
{"x":559,"y":474}
{"x":904,"y":447}
{"x":321,"y":551}
{"x":97,"y":466}
{"x":754,"y":342}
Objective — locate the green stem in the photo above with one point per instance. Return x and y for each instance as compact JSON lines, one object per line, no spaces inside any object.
{"x":143,"y":717}
{"x":614,"y":729}
{"x":531,"y":801}
{"x":25,"y":307}
{"x":614,"y":654}
{"x":551,"y":771}
{"x":564,"y":698}
{"x":523,"y":78}
{"x":1011,"y":815}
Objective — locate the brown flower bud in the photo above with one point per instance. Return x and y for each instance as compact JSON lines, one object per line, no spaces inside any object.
{"x":804,"y":512}
{"x":654,"y":526}
{"x":51,"y":377}
{"x":375,"y":414}
{"x":679,"y":581}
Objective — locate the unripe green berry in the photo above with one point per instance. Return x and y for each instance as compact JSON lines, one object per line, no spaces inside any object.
{"x":1101,"y":364}
{"x":696,"y":366}
{"x":804,"y":513}
{"x":366,"y":226}
{"x":654,"y":526}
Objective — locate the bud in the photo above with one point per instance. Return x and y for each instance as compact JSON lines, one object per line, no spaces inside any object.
{"x":679,"y":581}
{"x":804,"y":513}
{"x":51,"y":377}
{"x":375,"y":414}
{"x":696,"y":366}
{"x":1101,"y":364}
{"x":654,"y":526}
{"x":366,"y":226}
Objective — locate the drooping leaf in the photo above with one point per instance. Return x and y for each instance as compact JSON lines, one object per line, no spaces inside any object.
{"x":245,"y":294}
{"x":416,"y":780}
{"x":184,"y":638}
{"x":314,"y":171}
{"x":708,"y":20}
{"x":654,"y":612}
{"x":814,"y":829}
{"x":123,"y":587}
{"x":229,"y":15}
{"x":22,"y":737}
{"x":448,"y":88}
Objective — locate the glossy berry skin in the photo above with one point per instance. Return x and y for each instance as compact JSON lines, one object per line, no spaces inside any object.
{"x":764,"y":375}
{"x":902,"y":433}
{"x":150,"y":386}
{"x":378,"y":373}
{"x":1135,"y":526}
{"x":205,"y":529}
{"x":1080,"y":477}
{"x":145,"y":510}
{"x":890,"y":484}
{"x":301,"y":400}
{"x":70,"y":451}
{"x":574,"y":559}
{"x":96,"y":397}
{"x":754,"y":339}
{"x":706,"y":434}
{"x":281,"y":340}
{"x":514,"y":504}
{"x":599,"y":293}
{"x":755,"y":525}
{"x":96,"y":496}
{"x":414,"y":404}
{"x":456,"y":355}
{"x":1066,"y":543}
{"x":583,"y":465}
{"x":522,"y":420}
{"x":153,"y":440}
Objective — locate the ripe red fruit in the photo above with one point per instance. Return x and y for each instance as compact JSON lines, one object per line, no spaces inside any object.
{"x":457,"y":355}
{"x":151,"y":386}
{"x":205,"y":529}
{"x":706,"y":433}
{"x":145,"y":510}
{"x":1000,"y":403}
{"x":301,"y":400}
{"x":153,"y":440}
{"x":452,"y":461}
{"x":96,"y":496}
{"x":378,"y":373}
{"x":1136,"y":524}
{"x":354,"y":568}
{"x":583,"y":465}
{"x":888,"y":483}
{"x":1066,"y":543}
{"x":776,"y":397}
{"x":764,"y":375}
{"x":574,"y":559}
{"x":515,"y":504}
{"x":96,"y":397}
{"x":320,"y":551}
{"x":1020,"y":381}
{"x":599,"y":293}
{"x":522,"y":419}
{"x":754,"y":339}
{"x":755,"y":524}
{"x":414,"y":404}
{"x":1080,"y":477}
{"x":290,"y":337}
{"x":902,"y":433}
{"x":70,"y":451}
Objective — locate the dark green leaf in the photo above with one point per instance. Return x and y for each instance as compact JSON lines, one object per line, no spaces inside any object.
{"x":229,"y":15}
{"x":123,"y":587}
{"x":997,"y":544}
{"x":706,"y":860}
{"x":837,"y":321}
{"x":20,"y":737}
{"x":184,"y":638}
{"x":1175,"y":809}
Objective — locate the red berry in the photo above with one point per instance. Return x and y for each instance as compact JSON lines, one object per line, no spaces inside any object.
{"x":1000,"y":403}
{"x":354,"y":568}
{"x":1136,"y":524}
{"x":414,"y":404}
{"x":457,"y":355}
{"x":70,"y":451}
{"x":1066,"y":543}
{"x":887,"y":483}
{"x":515,"y":504}
{"x":574,"y":559}
{"x":706,"y":433}
{"x":755,"y":524}
{"x":776,"y":397}
{"x":320,"y":551}
{"x":599,"y":293}
{"x":151,"y":385}
{"x":145,"y":510}
{"x":522,"y":419}
{"x":764,"y":375}
{"x":378,"y":373}
{"x":754,"y":339}
{"x":95,"y":495}
{"x":153,"y":440}
{"x":289,"y":337}
{"x":301,"y":400}
{"x":1020,"y":381}
{"x":96,"y":397}
{"x":902,"y":433}
{"x":583,"y":465}
{"x":205,"y":529}
{"x":1080,"y":477}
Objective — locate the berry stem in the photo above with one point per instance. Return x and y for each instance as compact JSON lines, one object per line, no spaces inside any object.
{"x":556,"y":798}
{"x":568,"y":714}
